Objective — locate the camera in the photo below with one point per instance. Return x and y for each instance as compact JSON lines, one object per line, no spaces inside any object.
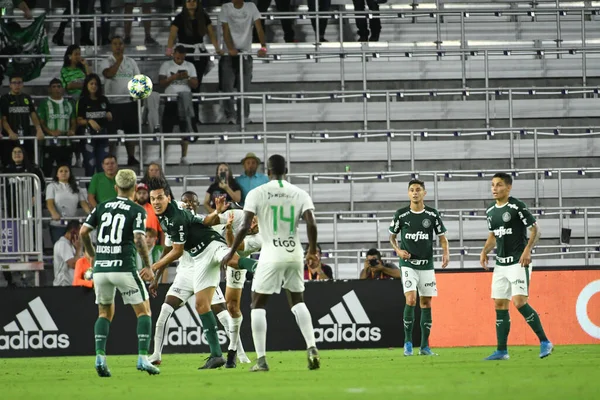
{"x":223,"y":176}
{"x":373,"y":262}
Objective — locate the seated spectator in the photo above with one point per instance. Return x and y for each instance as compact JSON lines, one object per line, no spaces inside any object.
{"x":321,"y":272}
{"x":250,"y":179}
{"x":63,"y":196}
{"x":146,"y":11}
{"x":224,"y":185}
{"x":81,"y":266}
{"x":375,"y":268}
{"x":153,"y":170}
{"x":102,"y":186}
{"x":57,"y":117}
{"x":154,"y":250}
{"x":364,"y":24}
{"x":74,"y":71}
{"x":66,"y":252}
{"x":93,"y":118}
{"x":142,"y":198}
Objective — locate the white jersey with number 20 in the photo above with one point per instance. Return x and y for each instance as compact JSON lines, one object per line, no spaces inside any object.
{"x":279,"y":205}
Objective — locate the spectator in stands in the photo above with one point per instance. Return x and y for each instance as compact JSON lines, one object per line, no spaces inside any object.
{"x":224,"y":185}
{"x":374,"y":24}
{"x":154,"y":249}
{"x":287,"y":23}
{"x":18,"y":111}
{"x":102,"y":186}
{"x":7,"y":8}
{"x":141,"y":197}
{"x":375,"y":268}
{"x":74,"y":71}
{"x":20,"y":164}
{"x":57,"y":118}
{"x":153,"y":170}
{"x":81,"y":266}
{"x":118,"y":69}
{"x":324,"y":6}
{"x":146,"y":10}
{"x":320,"y":272}
{"x":250,"y":179}
{"x":67,"y":251}
{"x":86,"y":7}
{"x":178,"y":76}
{"x":59,"y":37}
{"x":63,"y":196}
{"x":238,"y":18}
{"x":188,"y":29}
{"x":93,"y":117}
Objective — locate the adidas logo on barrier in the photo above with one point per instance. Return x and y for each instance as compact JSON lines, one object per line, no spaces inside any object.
{"x":346,"y":328}
{"x":185,"y":327}
{"x":29,"y":330}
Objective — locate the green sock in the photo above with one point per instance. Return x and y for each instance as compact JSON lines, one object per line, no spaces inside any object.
{"x":101,"y":329}
{"x":209,"y":324}
{"x":425,"y":326}
{"x":409,"y":320}
{"x":502,"y":328}
{"x":533,"y":319}
{"x":248,"y":264}
{"x":144,"y":334}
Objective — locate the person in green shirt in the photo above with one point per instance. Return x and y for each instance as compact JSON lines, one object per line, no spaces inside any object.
{"x":102,"y":186}
{"x":73,"y":71}
{"x":154,"y":250}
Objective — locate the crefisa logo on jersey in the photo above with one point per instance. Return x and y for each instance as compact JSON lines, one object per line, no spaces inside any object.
{"x":288,"y":244}
{"x":185,"y":329}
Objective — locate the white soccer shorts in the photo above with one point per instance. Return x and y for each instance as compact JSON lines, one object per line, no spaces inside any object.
{"x":183,"y":287}
{"x":269,"y":276}
{"x":421,"y":280}
{"x":235,"y":278}
{"x":129,"y":284}
{"x":510,"y":280}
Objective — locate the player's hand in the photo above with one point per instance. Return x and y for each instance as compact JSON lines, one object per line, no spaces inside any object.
{"x":155,"y":267}
{"x":230,"y":218}
{"x":226,"y":260}
{"x":221,"y":204}
{"x":312,"y":260}
{"x":403,"y":254}
{"x":153,"y":288}
{"x":525,"y":259}
{"x":483,"y":260}
{"x":146,"y":274}
{"x":445,"y":260}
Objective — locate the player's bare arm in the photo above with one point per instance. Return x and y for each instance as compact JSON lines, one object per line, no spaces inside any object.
{"x":221,"y":205}
{"x":312,"y":260}
{"x":84,"y":234}
{"x":534,"y":237}
{"x":229,"y":236}
{"x":239,"y":238}
{"x":173,"y":255}
{"x":140,"y":244}
{"x":490,"y":243}
{"x":405,"y":255}
{"x":446,"y":250}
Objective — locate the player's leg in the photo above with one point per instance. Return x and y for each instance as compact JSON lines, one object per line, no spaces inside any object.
{"x":105,"y":296}
{"x":410,"y":280}
{"x":501,"y":295}
{"x":235,"y":279}
{"x":427,"y":289}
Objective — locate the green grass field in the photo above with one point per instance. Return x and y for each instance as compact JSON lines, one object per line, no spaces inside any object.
{"x":572,"y":372}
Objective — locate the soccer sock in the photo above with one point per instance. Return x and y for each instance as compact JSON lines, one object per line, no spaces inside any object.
{"x":502,"y":328}
{"x":144,"y":334}
{"x":304,"y":321}
{"x":533,"y":319}
{"x":258,"y":318}
{"x":408,"y":319}
{"x":425,"y":326}
{"x":248,"y":264}
{"x":101,"y":329}
{"x":226,"y":321}
{"x":234,"y":332}
{"x":161,"y":327}
{"x":209,"y":324}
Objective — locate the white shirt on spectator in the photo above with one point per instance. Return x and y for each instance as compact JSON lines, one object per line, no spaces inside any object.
{"x":63,"y":252}
{"x":118,"y":83}
{"x":240,"y":21}
{"x":169,"y":68}
{"x":65,"y":201}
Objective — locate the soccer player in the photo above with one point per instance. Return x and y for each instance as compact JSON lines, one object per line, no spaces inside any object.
{"x":121,"y":227}
{"x":183,"y":288}
{"x":279,"y":206}
{"x":190,"y":233}
{"x":508,"y":219}
{"x":416,"y":224}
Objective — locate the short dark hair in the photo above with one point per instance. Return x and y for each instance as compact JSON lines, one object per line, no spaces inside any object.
{"x":416,"y":181}
{"x":116,"y":37}
{"x":189,"y":193}
{"x":106,"y":157}
{"x":180,"y":49}
{"x":276,"y":165}
{"x":504,"y":176}
{"x":159,"y":183}
{"x":55,"y":81}
{"x":73,"y":224}
{"x":374,"y":252}
{"x":15,"y":75}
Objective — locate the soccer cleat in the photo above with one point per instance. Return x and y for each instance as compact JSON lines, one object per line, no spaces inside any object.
{"x":101,"y":367}
{"x":243,"y":358}
{"x":408,"y":349}
{"x":143,"y":364}
{"x":314,"y":361}
{"x":213,"y":363}
{"x":231,"y":359}
{"x":154,"y":359}
{"x":260,"y":366}
{"x":498,"y":355}
{"x":546,"y":349}
{"x":426,"y":351}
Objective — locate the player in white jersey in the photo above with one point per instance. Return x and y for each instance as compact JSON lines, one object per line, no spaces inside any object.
{"x":182,"y":290}
{"x":279,"y":205}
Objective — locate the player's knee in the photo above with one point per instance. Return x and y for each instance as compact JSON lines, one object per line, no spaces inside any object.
{"x":202,"y":307}
{"x":425,"y":302}
{"x":411,"y":299}
{"x":519,"y":301}
{"x":234,"y":308}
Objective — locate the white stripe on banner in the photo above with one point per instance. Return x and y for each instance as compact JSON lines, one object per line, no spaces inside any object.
{"x":356,"y":309}
{"x":27,"y":321}
{"x":12,"y":327}
{"x":340,"y":314}
{"x":326,"y":320}
{"x":43,"y":316}
{"x":172,"y":322}
{"x":184,"y":317}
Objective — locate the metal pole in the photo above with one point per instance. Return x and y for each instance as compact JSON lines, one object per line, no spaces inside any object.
{"x":487,"y":85}
{"x":359,"y":266}
{"x":36,"y":152}
{"x":335,"y":242}
{"x":460,"y":237}
{"x":583,"y":53}
{"x":351,"y":195}
{"x":264,"y":118}
{"x":139,"y":111}
{"x":95,"y":36}
{"x":560,"y":201}
{"x":241,"y":112}
{"x":342,"y":62}
{"x":71,"y":2}
{"x":163,"y":155}
{"x":510,"y":124}
{"x":412,"y":150}
{"x":558,"y":30}
{"x":586,"y":235}
{"x":287,"y":158}
{"x":364,"y":76}
{"x":377,"y":233}
{"x":436,"y":197}
{"x":463,"y":58}
{"x":317,"y":35}
{"x":310,"y":185}
{"x":536,"y":182}
{"x":389,"y":138}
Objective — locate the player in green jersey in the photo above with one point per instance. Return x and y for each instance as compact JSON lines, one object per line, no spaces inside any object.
{"x":121,"y":225}
{"x":416,"y":224}
{"x":508,"y":219}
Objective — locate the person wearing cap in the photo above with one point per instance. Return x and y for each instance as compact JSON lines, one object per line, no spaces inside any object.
{"x":142,"y":198}
{"x":250,"y":179}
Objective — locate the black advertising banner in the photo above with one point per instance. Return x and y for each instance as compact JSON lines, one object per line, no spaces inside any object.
{"x":60,"y":321}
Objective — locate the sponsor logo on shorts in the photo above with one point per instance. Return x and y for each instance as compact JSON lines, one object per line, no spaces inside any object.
{"x":429,"y":284}
{"x":288,"y":244}
{"x":518,"y":282}
{"x":408,"y":284}
{"x":130,"y":292}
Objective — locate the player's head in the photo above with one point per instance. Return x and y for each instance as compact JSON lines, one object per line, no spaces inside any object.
{"x":125,"y":183}
{"x":151,"y":236}
{"x":160,"y":194}
{"x":276,"y":166}
{"x":501,"y":185}
{"x":416,"y":191}
{"x":190,"y":201}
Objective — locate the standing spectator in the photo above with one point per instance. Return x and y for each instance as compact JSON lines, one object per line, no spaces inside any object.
{"x":146,"y":10}
{"x":81,"y":266}
{"x":224,"y":185}
{"x":153,"y":170}
{"x":250,"y":179}
{"x":189,"y":28}
{"x":86,"y":7}
{"x":178,"y":76}
{"x":375,"y":268}
{"x":57,"y":117}
{"x":287,"y":23}
{"x":59,"y":37}
{"x":73,"y":71}
{"x":18,"y":111}
{"x":63,"y":196}
{"x":142,"y":198}
{"x":7,"y":8}
{"x":238,"y":18}
{"x":20,"y":164}
{"x":93,"y":117}
{"x":102,"y":186}
{"x":66,"y":252}
{"x":118,"y":69}
{"x":373,"y":23}
{"x":318,"y":271}
{"x":324,"y":6}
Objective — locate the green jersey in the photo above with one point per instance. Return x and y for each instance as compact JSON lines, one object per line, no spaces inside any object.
{"x":182,"y":227}
{"x":509,"y":223}
{"x":57,"y":115}
{"x":416,"y":231}
{"x":68,"y":75}
{"x":117,"y":220}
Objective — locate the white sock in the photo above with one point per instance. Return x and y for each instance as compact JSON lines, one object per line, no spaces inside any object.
{"x":161,"y":328}
{"x":258,"y":318}
{"x":234,"y":332}
{"x":304,"y":321}
{"x":225,"y":320}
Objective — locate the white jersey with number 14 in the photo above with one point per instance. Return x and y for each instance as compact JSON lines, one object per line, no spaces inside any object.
{"x":279,"y":205}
